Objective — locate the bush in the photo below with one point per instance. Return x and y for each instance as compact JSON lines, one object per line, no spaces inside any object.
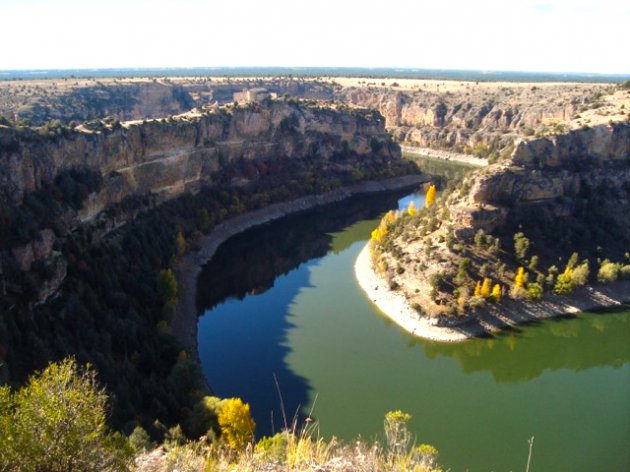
{"x":237,"y":425}
{"x":535,"y":291}
{"x":204,"y":417}
{"x":521,"y":245}
{"x":580,"y":274}
{"x":57,"y":423}
{"x":564,"y":284}
{"x":608,"y":272}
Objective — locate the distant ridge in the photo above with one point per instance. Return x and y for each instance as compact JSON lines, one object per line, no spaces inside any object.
{"x":401,"y":73}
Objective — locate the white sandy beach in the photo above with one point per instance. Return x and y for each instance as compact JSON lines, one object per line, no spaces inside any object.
{"x":496,"y":317}
{"x":395,"y":306}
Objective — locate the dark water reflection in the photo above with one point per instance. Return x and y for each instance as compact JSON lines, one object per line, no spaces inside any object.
{"x":244,"y":354}
{"x":282,"y":301}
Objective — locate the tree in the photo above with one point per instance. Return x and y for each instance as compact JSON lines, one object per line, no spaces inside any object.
{"x":496,"y":292}
{"x":411,"y":209}
{"x":430,"y":197}
{"x":608,"y":272}
{"x":237,"y":425}
{"x":485,"y":288}
{"x":480,"y":239}
{"x":180,"y":244}
{"x":167,"y":287}
{"x":521,"y":245}
{"x":564,"y":283}
{"x":477,"y":291}
{"x":519,"y":278}
{"x":57,"y":423}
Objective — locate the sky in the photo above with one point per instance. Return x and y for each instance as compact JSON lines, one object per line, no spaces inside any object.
{"x":529,"y":35}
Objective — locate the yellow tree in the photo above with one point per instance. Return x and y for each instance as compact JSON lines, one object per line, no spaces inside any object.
{"x":477,"y":289}
{"x":485,"y":288}
{"x":411,"y":209}
{"x":496,"y":292}
{"x":430,"y":198}
{"x":237,"y":425}
{"x":519,"y":279}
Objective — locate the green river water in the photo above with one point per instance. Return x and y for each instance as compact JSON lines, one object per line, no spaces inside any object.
{"x":281,"y":305}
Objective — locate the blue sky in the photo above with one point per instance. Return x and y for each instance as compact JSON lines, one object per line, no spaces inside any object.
{"x":527,"y":35}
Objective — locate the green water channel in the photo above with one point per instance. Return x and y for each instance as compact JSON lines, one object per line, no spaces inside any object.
{"x":284,"y":310}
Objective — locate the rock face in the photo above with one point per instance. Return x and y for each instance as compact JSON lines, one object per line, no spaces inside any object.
{"x":160,"y":160}
{"x":554,"y":168}
{"x":168,"y":157}
{"x":460,"y":116}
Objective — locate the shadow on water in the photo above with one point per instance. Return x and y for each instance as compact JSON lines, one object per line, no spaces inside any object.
{"x":243,"y":330}
{"x":574,"y":343}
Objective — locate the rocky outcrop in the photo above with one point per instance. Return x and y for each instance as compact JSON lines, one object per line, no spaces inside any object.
{"x":460,"y":116}
{"x":169,"y":157}
{"x":154,"y":161}
{"x":561,"y":195}
{"x":550,"y":168}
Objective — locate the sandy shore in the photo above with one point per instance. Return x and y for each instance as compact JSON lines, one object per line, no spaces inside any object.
{"x":495,"y":318}
{"x":445,"y":155}
{"x":184,"y":323}
{"x":395,"y":306}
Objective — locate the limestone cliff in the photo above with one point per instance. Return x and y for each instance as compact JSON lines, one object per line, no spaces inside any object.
{"x":163,"y":159}
{"x":166,"y":157}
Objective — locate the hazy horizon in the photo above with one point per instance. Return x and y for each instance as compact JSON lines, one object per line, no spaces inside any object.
{"x":534,"y":36}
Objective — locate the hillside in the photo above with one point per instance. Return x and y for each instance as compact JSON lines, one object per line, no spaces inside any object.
{"x":95,"y":217}
{"x":531,"y":229}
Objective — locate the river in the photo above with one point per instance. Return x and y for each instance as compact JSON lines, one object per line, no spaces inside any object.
{"x":284,"y":323}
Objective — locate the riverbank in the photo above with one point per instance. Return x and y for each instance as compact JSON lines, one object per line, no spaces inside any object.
{"x":183,"y":326}
{"x":493,"y":319}
{"x":467,"y":159}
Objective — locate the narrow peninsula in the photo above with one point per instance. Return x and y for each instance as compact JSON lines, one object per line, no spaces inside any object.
{"x":540,"y":233}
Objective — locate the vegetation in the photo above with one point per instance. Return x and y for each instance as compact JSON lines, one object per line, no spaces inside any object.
{"x":115,"y":304}
{"x":463,"y":272}
{"x":57,"y":423}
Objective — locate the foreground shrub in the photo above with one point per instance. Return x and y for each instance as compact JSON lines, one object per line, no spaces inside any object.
{"x":237,"y":425}
{"x":56,"y":423}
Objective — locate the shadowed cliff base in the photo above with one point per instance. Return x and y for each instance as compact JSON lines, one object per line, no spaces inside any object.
{"x":183,"y":325}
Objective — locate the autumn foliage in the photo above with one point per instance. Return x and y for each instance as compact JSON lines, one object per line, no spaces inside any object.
{"x":237,"y":425}
{"x":430,"y":197}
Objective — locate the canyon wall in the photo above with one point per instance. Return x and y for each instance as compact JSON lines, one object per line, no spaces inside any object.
{"x":167,"y":157}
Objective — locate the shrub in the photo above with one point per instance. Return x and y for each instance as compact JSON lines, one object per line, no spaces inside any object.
{"x":237,"y":425}
{"x":608,"y":272}
{"x":521,"y":245}
{"x":534,"y":291}
{"x":564,"y":283}
{"x":580,"y":274}
{"x":57,"y":423}
{"x":204,"y":417}
{"x":140,"y":441}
